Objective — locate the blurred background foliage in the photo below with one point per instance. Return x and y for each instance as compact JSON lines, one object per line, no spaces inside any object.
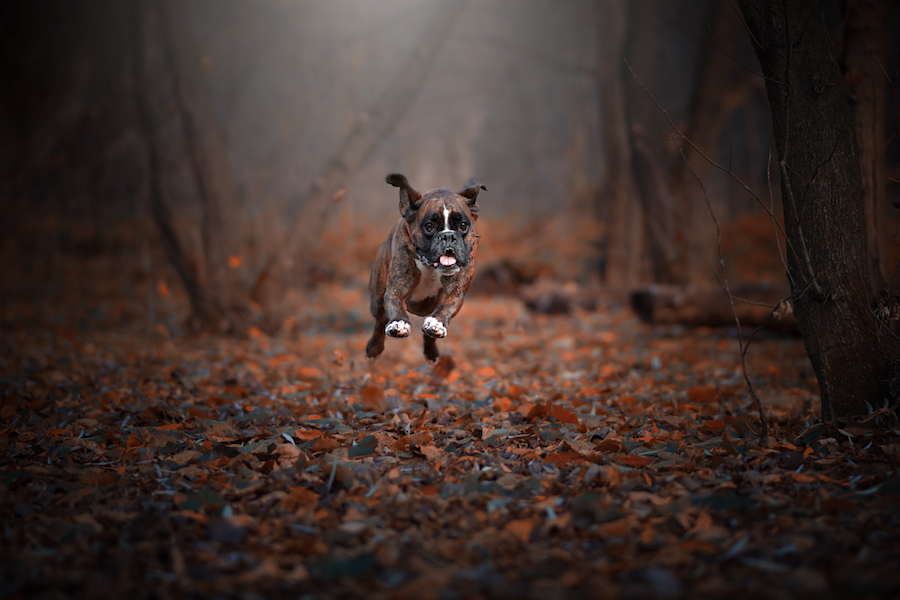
{"x":259,"y":132}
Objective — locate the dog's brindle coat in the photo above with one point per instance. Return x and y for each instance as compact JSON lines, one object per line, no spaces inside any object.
{"x":425,"y":265}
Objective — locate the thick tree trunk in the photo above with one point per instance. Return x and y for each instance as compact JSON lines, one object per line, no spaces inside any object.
{"x":624,"y":238}
{"x":824,"y":213}
{"x":865,"y":42}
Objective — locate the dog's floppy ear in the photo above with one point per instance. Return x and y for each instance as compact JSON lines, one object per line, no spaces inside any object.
{"x":470,"y":191}
{"x":410,"y":199}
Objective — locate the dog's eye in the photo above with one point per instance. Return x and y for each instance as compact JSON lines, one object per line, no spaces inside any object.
{"x":428,"y":227}
{"x":463,"y":227}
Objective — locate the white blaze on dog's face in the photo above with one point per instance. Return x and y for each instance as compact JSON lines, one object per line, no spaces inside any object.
{"x":446,"y":218}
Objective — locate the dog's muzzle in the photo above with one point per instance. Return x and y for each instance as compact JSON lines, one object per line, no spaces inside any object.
{"x":448,"y":251}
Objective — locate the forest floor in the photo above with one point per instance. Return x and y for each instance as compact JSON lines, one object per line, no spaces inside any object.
{"x":581,"y":455}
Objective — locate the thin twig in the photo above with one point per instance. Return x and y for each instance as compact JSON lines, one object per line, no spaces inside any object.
{"x":752,"y":302}
{"x":702,"y":154}
{"x":729,"y":55}
{"x":774,"y":222}
{"x":333,"y":473}
{"x":765,"y":322}
{"x":882,"y":324}
{"x":786,"y":185}
{"x":837,"y":140}
{"x":763,"y":418}
{"x":741,"y":17}
{"x":782,"y":164}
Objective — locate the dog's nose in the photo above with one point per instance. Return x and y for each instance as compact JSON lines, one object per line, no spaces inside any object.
{"x":446,"y":236}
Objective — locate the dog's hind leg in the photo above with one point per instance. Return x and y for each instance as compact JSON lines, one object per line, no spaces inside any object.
{"x":376,"y":343}
{"x":429,"y":348}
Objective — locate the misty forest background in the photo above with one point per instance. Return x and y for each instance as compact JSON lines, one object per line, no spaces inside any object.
{"x":191,"y":196}
{"x":259,"y":134}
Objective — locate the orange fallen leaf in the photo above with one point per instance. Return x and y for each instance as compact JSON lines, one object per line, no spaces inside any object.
{"x":444,"y":367}
{"x":563,"y":415}
{"x":372,"y":398}
{"x":299,"y":496}
{"x":703,"y":394}
{"x":521,"y":528}
{"x":486,"y":372}
{"x":540,"y":409}
{"x":420,"y":438}
{"x":503,"y":404}
{"x":326,"y":444}
{"x":609,"y":446}
{"x":633,"y":460}
{"x":309,"y":373}
{"x":715,"y":425}
{"x":607,"y":371}
{"x":98,"y":478}
{"x":619,"y":528}
{"x":562,"y":457}
{"x":430,"y":452}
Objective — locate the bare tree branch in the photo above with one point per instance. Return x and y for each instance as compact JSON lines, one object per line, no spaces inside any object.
{"x":723,"y":280}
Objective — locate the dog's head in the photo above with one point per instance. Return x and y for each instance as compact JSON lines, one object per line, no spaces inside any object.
{"x":440,"y":223}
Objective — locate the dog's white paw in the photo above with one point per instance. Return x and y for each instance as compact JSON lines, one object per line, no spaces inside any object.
{"x":434,"y":328}
{"x":397,"y":329}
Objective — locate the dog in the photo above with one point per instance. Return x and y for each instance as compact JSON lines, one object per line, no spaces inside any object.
{"x":425,"y":265}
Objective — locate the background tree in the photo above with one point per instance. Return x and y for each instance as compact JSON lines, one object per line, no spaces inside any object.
{"x":865,"y":54}
{"x":720,"y":111}
{"x":218,"y":299}
{"x":851,"y":350}
{"x":624,"y":218}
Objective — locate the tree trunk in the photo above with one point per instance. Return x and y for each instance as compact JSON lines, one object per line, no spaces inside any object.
{"x":723,"y":87}
{"x":222,"y":218}
{"x":202,"y":308}
{"x":650,"y":160}
{"x":276,"y":278}
{"x":624,"y":238}
{"x":824,"y":214}
{"x":865,"y":41}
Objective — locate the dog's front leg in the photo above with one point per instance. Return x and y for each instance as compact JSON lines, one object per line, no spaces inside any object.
{"x":436,"y":324}
{"x":401,"y":283}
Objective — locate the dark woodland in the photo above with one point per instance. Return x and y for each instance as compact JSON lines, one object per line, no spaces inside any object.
{"x":676,"y":373}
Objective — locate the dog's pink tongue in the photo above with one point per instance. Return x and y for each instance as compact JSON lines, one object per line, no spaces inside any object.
{"x":448,"y":261}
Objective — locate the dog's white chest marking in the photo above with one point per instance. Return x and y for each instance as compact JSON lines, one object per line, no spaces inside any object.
{"x":429,"y":283}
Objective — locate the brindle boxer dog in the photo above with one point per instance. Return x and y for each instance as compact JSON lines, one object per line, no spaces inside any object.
{"x":425,"y":265}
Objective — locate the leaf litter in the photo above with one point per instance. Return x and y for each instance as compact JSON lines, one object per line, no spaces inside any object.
{"x":576,"y":455}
